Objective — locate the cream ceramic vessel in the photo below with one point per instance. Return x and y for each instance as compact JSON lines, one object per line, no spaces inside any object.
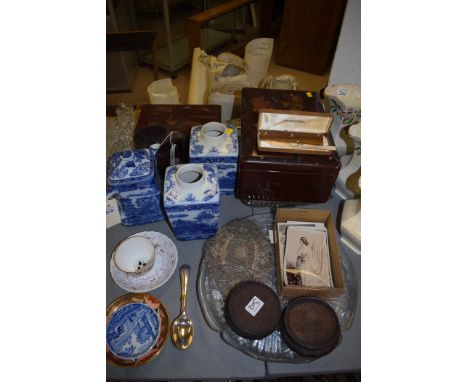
{"x":213,"y":133}
{"x":190,"y":177}
{"x":346,"y":185}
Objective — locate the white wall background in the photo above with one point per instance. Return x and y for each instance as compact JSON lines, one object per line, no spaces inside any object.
{"x":346,"y":66}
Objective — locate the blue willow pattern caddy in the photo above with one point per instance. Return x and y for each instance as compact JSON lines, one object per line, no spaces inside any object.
{"x":191,"y":200}
{"x":133,"y":182}
{"x":217,"y":144}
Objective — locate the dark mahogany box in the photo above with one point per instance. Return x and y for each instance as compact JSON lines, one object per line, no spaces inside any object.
{"x":281,"y":177}
{"x":155,"y":122}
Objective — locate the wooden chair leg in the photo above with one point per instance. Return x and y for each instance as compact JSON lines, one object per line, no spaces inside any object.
{"x":193,"y":34}
{"x":154,"y":52}
{"x":253,"y":15}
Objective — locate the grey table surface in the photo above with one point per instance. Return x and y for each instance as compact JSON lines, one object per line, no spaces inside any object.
{"x":209,"y":357}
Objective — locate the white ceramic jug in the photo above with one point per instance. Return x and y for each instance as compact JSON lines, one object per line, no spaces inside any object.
{"x":351,"y":225}
{"x":346,"y":185}
{"x":344,"y":102}
{"x":162,"y":92}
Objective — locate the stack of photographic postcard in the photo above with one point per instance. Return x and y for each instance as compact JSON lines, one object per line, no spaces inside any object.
{"x":304,"y":254}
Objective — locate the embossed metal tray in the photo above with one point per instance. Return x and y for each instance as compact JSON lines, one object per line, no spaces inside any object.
{"x":241,"y":250}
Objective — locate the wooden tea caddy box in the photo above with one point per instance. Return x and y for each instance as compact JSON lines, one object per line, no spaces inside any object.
{"x":156,"y":121}
{"x":279,"y":176}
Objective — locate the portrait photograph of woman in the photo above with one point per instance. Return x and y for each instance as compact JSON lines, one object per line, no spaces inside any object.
{"x":307,"y":257}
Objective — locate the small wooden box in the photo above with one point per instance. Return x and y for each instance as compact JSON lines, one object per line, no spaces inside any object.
{"x":155,"y":122}
{"x":319,"y":216}
{"x":274,"y":177}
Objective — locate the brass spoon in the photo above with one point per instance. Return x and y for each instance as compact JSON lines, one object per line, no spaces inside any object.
{"x":182,"y":327}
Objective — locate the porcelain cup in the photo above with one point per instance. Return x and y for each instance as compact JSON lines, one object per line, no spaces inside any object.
{"x":134,"y":255}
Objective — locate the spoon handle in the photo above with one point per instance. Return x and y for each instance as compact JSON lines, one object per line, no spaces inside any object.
{"x":184,"y":272}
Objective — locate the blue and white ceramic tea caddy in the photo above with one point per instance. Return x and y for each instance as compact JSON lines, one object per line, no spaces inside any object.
{"x":191,"y":200}
{"x":215,"y":143}
{"x":132,"y":181}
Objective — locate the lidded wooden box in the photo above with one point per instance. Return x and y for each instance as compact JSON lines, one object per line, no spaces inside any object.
{"x":156,"y":122}
{"x":279,"y":176}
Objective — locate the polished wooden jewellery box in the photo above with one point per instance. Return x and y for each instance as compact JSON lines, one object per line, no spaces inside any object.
{"x":281,"y":176}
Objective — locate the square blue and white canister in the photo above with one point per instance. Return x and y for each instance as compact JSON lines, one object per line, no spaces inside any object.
{"x":191,"y":200}
{"x":216,"y":143}
{"x":132,"y":181}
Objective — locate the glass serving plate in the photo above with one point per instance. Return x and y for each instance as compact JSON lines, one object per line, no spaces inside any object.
{"x":242,"y":251}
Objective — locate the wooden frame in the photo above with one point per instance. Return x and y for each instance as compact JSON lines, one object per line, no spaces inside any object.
{"x":195,"y":22}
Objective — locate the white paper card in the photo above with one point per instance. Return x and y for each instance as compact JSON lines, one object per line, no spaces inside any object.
{"x":310,"y":224}
{"x":254,"y":306}
{"x":112,"y":213}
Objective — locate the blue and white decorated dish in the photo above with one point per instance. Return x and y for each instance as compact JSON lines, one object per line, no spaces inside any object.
{"x":132,"y":331}
{"x":132,"y":181}
{"x":137,"y":328}
{"x":215,"y":143}
{"x":192,"y":200}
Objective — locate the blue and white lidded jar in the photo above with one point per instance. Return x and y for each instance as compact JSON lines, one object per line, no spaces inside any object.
{"x":132,"y":181}
{"x":215,"y":143}
{"x":191,"y":200}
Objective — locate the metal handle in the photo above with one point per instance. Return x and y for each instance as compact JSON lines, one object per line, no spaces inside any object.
{"x":184,"y":272}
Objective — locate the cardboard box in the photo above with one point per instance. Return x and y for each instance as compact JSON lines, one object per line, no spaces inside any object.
{"x":319,"y":216}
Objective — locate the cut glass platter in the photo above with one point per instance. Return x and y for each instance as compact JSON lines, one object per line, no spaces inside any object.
{"x":137,"y":327}
{"x":160,"y":272}
{"x":240,"y":251}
